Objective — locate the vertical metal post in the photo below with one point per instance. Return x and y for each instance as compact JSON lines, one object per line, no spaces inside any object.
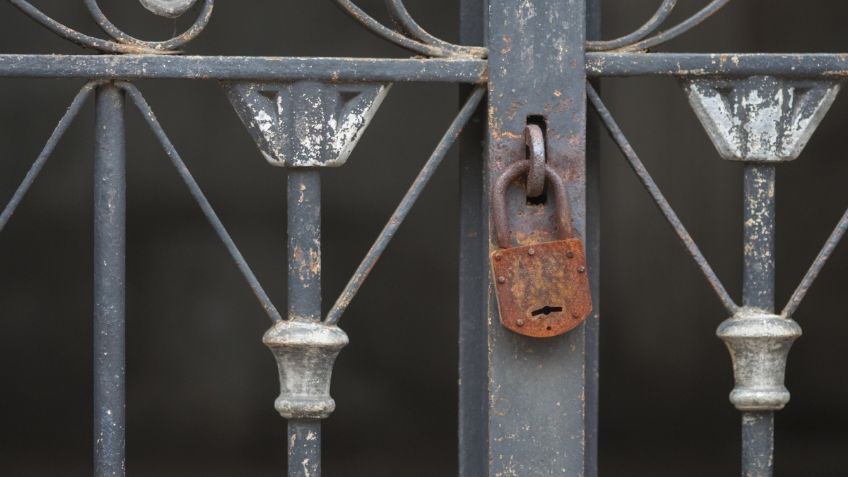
{"x":304,"y":300}
{"x":593,"y":250}
{"x":109,"y":281}
{"x":473,"y":244}
{"x":758,"y":292}
{"x":529,"y":393}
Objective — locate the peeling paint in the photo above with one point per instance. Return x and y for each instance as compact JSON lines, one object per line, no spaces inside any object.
{"x":306,"y":124}
{"x":761,"y":118}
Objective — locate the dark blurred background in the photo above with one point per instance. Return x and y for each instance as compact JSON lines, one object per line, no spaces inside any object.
{"x":201,"y":384}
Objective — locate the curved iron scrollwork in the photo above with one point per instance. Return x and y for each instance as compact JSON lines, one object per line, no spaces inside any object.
{"x":641,"y":39}
{"x":122,"y":42}
{"x":407,"y":33}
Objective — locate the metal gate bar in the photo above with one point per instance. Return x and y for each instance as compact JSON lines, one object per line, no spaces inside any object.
{"x":303,"y":201}
{"x":758,"y":282}
{"x":110,"y":210}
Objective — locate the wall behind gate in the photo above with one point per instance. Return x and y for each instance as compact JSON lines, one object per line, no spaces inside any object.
{"x":201,"y":385}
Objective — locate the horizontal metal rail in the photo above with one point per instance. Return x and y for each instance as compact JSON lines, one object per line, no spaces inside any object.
{"x":464,"y":70}
{"x":243,"y":68}
{"x":829,"y":65}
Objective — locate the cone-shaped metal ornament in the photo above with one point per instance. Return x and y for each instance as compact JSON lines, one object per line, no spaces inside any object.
{"x":305,"y":352}
{"x":759,"y":344}
{"x":762,"y":118}
{"x":306,"y":124}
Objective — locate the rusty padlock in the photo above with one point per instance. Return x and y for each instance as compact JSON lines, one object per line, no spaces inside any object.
{"x":542,"y":289}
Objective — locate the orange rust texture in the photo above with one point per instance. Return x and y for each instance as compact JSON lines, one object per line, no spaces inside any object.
{"x":533,"y":277}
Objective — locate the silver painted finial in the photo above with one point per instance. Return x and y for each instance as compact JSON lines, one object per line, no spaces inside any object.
{"x":168,"y":8}
{"x":759,"y":344}
{"x":306,"y":352}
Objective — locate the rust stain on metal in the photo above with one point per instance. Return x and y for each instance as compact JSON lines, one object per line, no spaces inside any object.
{"x":507,"y":45}
{"x":542,"y":289}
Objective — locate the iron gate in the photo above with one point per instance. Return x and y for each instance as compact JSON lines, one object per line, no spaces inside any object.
{"x":538,"y":72}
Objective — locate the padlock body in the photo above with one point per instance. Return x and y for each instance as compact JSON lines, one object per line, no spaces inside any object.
{"x":542,"y":289}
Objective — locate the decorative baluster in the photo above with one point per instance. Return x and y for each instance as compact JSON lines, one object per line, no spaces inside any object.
{"x":304,"y":126}
{"x":761,"y":121}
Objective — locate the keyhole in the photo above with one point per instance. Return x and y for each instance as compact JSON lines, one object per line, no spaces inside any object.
{"x":546,"y":310}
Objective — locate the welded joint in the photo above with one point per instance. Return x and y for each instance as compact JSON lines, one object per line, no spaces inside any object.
{"x":306,"y":352}
{"x":759,"y":344}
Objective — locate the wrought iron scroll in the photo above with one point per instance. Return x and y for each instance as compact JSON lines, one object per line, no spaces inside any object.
{"x":407,"y":33}
{"x":639,"y":39}
{"x":122,"y":42}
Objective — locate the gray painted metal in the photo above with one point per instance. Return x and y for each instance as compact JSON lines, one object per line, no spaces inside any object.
{"x":399,"y":215}
{"x":109,"y":345}
{"x":535,"y":406}
{"x":473,"y":272}
{"x":46,"y":152}
{"x":762,"y":118}
{"x":305,"y":352}
{"x":656,"y":194}
{"x":758,"y":292}
{"x":592,"y":325}
{"x":251,"y":68}
{"x":455,"y":70}
{"x":737,"y":65}
{"x":759,"y":345}
{"x":762,"y":121}
{"x":194,"y":189}
{"x":168,"y":8}
{"x":306,"y":123}
{"x":304,"y":448}
{"x":304,"y":348}
{"x":757,"y":444}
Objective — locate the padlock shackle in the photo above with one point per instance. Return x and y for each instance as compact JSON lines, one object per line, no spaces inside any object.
{"x":500,"y":213}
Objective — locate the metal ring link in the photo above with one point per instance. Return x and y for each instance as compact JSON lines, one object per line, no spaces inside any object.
{"x":535,"y":141}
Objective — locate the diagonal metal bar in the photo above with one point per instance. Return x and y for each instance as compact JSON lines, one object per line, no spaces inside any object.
{"x":646,"y":179}
{"x":145,"y":110}
{"x":405,"y":205}
{"x":52,"y":142}
{"x":811,"y":275}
